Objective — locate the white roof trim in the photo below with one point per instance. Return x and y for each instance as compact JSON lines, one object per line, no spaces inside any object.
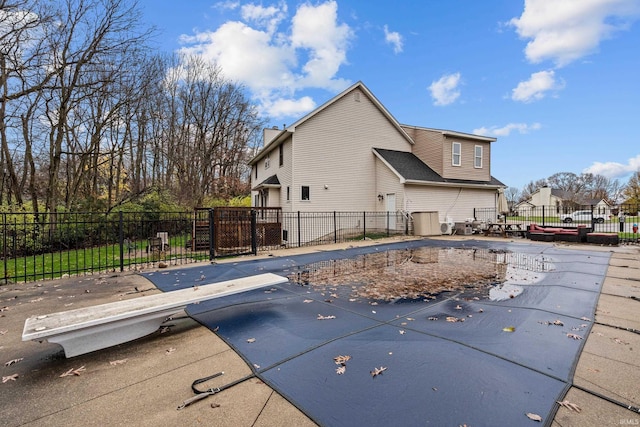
{"x":454,"y":184}
{"x":292,"y":128}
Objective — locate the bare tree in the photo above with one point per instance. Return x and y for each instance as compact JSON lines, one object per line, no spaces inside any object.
{"x":212,"y":125}
{"x":513,"y":196}
{"x":23,"y":71}
{"x":92,"y":42}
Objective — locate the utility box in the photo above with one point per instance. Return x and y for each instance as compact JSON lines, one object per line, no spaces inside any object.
{"x":426,"y":223}
{"x":464,"y":228}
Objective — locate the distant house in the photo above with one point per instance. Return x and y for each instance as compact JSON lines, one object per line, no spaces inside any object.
{"x":350,"y":154}
{"x":558,"y":201}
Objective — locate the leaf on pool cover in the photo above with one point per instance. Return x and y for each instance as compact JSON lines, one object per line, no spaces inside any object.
{"x":9,"y":378}
{"x":378,"y":371}
{"x":509,"y":329}
{"x":454,"y":319}
{"x":534,"y":417}
{"x":341,"y":360}
{"x":14,"y":361}
{"x":432,"y":318}
{"x":251,"y":340}
{"x":341,"y":370}
{"x":586,"y":319}
{"x":557,"y":323}
{"x":321,"y":317}
{"x":307,"y":301}
{"x":574,"y":336}
{"x":569,"y":405}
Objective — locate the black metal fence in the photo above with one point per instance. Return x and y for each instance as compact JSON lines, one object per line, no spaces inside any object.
{"x":622,"y":219}
{"x":35,"y":247}
{"x":318,"y":228}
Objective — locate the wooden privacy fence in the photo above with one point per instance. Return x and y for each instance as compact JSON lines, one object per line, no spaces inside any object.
{"x":236,"y":230}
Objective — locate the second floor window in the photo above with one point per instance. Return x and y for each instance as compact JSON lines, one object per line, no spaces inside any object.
{"x":477,"y":162}
{"x":266,"y":162}
{"x":281,"y":154}
{"x":456,"y":154}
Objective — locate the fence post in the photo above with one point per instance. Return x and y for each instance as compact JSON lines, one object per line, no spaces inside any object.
{"x":4,"y":246}
{"x":212,"y":235}
{"x":543,"y":215}
{"x":388,"y":223}
{"x":254,"y":232}
{"x":299,"y":234}
{"x":364,"y":225}
{"x":121,"y":240}
{"x":335,"y":228}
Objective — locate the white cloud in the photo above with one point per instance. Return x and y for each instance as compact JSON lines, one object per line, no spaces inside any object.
{"x":227,"y":5}
{"x":565,"y":30}
{"x":613,"y":169}
{"x":315,"y":29}
{"x":393,"y":38}
{"x":290,"y":107}
{"x":275,"y":55}
{"x":245,"y":54}
{"x":265,"y":17}
{"x":506,"y":130}
{"x":536,"y":87}
{"x":445,"y":90}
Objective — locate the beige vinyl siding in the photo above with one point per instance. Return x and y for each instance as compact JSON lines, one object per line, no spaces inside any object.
{"x":456,"y":203}
{"x":285,"y":176}
{"x":277,"y":198}
{"x":428,"y":146}
{"x":466,"y":170}
{"x":388,"y":182}
{"x":333,"y":149}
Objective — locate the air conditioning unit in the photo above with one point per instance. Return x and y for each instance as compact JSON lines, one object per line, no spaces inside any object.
{"x":446,"y":228}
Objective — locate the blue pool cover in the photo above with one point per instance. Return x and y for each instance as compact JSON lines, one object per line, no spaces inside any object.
{"x":451,"y":360}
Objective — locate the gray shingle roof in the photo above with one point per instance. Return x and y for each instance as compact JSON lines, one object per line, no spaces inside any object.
{"x":410,"y":167}
{"x":272,"y":181}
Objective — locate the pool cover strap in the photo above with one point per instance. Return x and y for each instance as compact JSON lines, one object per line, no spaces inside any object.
{"x":203,"y":394}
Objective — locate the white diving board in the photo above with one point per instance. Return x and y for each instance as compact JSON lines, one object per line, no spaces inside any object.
{"x":93,"y":328}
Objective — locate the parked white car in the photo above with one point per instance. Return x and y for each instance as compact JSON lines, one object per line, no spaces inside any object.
{"x":582,"y":216}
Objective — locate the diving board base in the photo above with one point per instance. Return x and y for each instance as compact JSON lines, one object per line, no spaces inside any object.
{"x":107,"y":335}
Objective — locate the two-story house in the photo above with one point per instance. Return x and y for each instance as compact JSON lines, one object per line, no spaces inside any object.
{"x":350,"y":154}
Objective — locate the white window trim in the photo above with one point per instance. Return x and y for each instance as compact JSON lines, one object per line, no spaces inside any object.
{"x":475,"y":156}
{"x":453,"y":154}
{"x":266,"y":161}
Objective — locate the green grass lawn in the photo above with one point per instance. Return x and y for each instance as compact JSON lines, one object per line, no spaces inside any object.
{"x":91,"y":260}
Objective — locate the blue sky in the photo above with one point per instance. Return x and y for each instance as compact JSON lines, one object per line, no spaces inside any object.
{"x":557,"y":82}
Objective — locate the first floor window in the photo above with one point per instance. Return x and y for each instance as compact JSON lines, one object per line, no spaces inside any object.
{"x":305,"y":193}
